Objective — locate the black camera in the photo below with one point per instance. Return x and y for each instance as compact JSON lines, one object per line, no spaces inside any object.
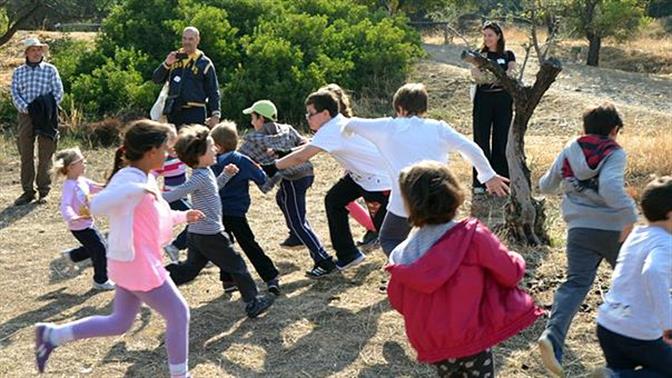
{"x":181,"y":55}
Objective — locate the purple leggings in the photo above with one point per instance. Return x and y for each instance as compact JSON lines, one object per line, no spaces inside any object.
{"x":165,"y":299}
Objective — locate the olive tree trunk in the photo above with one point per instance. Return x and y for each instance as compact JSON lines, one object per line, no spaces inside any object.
{"x":525,"y":216}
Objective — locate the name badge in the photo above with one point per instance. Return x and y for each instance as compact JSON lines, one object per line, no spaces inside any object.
{"x":177,"y":79}
{"x":501,"y":61}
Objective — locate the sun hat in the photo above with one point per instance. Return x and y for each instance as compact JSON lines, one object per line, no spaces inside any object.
{"x":34,"y":42}
{"x":265,"y":108}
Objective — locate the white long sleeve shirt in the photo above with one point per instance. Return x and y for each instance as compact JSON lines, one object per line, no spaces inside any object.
{"x":639,"y":304}
{"x":405,"y":141}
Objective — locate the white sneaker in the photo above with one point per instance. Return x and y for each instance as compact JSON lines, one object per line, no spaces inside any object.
{"x":107,"y":285}
{"x":69,"y":265}
{"x":479,"y":190}
{"x":547,"y":352}
{"x":172,"y":252}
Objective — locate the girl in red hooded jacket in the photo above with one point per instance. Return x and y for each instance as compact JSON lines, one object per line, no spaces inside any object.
{"x":454,"y":282}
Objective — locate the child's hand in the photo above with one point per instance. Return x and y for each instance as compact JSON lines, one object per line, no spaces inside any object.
{"x":231,"y":169}
{"x":667,"y":336}
{"x":498,"y":186}
{"x":271,"y":153}
{"x":195,"y":216}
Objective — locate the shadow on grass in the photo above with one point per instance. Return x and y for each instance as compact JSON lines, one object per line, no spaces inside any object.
{"x":11,"y":213}
{"x":305,"y":332}
{"x":57,"y":301}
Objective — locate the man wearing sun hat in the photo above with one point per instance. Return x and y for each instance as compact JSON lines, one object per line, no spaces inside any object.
{"x":30,"y":81}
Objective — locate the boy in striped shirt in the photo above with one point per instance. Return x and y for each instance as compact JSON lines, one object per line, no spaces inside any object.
{"x":206,"y":238}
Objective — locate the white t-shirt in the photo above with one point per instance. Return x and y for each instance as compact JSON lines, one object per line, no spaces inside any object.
{"x":405,"y":141}
{"x":358,"y":156}
{"x":638,"y":304}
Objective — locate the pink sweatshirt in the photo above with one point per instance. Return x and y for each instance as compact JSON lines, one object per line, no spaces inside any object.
{"x":152,"y":224}
{"x":75,"y":203}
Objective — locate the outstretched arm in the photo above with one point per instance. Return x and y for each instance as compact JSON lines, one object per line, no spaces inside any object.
{"x":301,"y":155}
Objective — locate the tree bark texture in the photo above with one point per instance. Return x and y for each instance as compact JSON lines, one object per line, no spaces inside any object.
{"x":594,"y":45}
{"x":524,"y":214}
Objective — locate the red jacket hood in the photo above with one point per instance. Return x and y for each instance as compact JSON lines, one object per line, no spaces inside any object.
{"x":432,"y":270}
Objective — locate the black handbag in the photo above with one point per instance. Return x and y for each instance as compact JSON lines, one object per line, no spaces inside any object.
{"x":171,"y":100}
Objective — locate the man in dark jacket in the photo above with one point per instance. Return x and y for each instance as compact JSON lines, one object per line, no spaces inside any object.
{"x":193,"y":92}
{"x":31,"y":80}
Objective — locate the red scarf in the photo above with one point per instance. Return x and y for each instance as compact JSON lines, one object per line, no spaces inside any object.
{"x":595,"y":148}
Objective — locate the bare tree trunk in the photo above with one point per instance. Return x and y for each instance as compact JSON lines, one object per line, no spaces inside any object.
{"x":525,"y":215}
{"x":595,"y":43}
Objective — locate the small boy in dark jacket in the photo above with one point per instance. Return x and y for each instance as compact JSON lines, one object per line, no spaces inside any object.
{"x":235,"y":196}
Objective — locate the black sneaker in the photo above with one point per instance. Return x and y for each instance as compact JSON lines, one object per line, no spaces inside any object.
{"x":273,"y":286}
{"x":24,"y":199}
{"x":354,"y":260}
{"x":258,"y":306}
{"x":369,"y":241}
{"x":43,"y":198}
{"x":321,"y":269}
{"x":291,"y":242}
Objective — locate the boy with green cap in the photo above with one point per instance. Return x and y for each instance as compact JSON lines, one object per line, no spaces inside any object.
{"x":291,"y":196}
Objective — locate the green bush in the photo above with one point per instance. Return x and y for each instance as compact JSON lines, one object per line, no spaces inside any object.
{"x":7,"y":110}
{"x":115,"y":86}
{"x":67,"y":55}
{"x":275,"y":49}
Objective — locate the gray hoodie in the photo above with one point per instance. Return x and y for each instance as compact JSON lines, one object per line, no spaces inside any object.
{"x":607,"y":207}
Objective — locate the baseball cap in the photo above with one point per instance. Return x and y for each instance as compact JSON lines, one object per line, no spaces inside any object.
{"x":265,"y":108}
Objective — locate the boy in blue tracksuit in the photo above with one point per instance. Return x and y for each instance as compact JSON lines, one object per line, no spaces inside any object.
{"x":235,"y":197}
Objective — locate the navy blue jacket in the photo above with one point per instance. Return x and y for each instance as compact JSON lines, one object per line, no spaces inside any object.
{"x":235,"y":195}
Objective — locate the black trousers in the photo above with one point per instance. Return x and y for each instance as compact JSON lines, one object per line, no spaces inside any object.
{"x":241,"y":230}
{"x":338,"y":197}
{"x":492,"y":115}
{"x":187,"y":116}
{"x":93,"y":247}
{"x":215,"y":248}
{"x":624,"y":354}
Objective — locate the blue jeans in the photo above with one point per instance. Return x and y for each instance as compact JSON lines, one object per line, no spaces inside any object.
{"x":394,"y":230}
{"x":586,"y":248}
{"x":291,"y":197}
{"x":624,"y":354}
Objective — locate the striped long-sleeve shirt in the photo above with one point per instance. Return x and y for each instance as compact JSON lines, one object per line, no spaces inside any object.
{"x":174,"y":173}
{"x":28,"y":83}
{"x":203,"y":186}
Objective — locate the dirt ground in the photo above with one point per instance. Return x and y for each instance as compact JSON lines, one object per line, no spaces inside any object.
{"x":339,"y":326}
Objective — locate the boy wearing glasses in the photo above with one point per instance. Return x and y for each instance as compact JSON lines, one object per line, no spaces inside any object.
{"x":599,"y":214}
{"x":361,"y":160}
{"x":268,"y":135}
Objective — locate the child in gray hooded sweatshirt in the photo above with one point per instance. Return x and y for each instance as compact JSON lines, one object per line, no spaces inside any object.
{"x":599,"y":215}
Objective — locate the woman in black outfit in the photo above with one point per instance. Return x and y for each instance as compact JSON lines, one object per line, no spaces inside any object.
{"x":493,"y":106}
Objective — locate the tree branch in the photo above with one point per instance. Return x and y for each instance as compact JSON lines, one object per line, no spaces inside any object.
{"x":18,"y":22}
{"x":511,"y":85}
{"x":549,"y":70}
{"x":527,"y":47}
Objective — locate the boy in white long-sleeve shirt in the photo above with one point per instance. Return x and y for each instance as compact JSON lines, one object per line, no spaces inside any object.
{"x":410,"y":138}
{"x":634,"y":325}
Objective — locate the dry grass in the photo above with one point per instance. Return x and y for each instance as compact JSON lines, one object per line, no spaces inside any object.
{"x":340,"y":326}
{"x":648,"y":52}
